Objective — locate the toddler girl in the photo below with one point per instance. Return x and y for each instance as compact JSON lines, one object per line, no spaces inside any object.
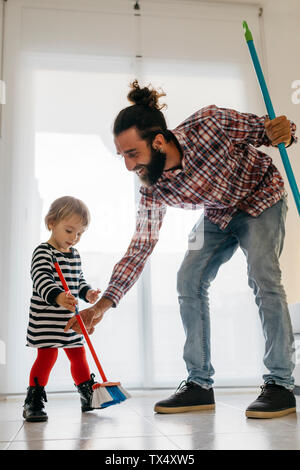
{"x":51,"y":307}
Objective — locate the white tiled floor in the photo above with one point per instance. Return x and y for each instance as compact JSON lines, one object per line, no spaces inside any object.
{"x":132,"y":425}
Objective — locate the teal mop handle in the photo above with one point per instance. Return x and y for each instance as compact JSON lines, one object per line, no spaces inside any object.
{"x":271,"y":113}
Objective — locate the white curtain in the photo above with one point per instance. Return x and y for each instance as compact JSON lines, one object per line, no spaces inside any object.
{"x":73,"y":64}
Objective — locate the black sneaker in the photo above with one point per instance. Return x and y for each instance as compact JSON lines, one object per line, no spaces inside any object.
{"x":273,"y":402}
{"x":189,"y":396}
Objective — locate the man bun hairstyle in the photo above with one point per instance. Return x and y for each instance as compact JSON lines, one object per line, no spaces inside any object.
{"x":145,"y":96}
{"x":144,"y":114}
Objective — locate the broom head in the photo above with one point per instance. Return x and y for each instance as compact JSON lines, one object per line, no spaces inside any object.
{"x":107,"y":394}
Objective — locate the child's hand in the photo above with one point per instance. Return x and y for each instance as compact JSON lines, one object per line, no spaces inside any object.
{"x":92,"y":295}
{"x":66,"y":300}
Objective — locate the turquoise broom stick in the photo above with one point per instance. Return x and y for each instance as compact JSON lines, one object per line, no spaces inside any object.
{"x":271,"y":113}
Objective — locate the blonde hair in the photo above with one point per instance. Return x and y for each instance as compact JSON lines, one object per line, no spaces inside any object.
{"x":67,"y":206}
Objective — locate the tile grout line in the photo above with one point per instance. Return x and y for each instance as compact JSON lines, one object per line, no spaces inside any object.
{"x":14,"y":437}
{"x":162,"y":433}
{"x":282,"y":419}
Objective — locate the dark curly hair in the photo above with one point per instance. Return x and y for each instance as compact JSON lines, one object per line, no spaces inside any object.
{"x":144,"y":114}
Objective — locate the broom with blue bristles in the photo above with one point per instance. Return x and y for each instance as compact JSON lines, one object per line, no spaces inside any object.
{"x":106,"y":393}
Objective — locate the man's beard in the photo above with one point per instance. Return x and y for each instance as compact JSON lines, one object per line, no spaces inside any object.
{"x":153,"y":170}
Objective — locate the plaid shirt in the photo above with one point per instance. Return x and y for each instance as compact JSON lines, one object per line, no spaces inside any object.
{"x":222,"y":171}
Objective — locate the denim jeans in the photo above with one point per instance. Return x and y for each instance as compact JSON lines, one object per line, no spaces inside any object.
{"x":261,"y":239}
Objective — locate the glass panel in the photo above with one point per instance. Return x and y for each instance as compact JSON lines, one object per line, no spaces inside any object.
{"x":234,"y":319}
{"x":74,"y":155}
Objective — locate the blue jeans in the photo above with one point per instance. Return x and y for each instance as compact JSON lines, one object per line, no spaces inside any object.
{"x":261,"y":239}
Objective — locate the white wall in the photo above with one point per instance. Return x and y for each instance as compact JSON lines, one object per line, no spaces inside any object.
{"x":282,"y":35}
{"x":7,"y":189}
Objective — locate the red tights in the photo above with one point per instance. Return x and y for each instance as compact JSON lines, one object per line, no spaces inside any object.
{"x":46,"y":358}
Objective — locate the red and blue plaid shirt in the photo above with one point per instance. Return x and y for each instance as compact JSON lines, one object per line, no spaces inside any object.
{"x":222,"y":171}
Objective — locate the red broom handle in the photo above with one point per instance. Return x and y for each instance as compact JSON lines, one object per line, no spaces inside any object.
{"x":93,"y":352}
{"x":81,"y":324}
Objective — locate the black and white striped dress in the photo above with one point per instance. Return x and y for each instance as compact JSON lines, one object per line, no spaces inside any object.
{"x":46,"y":318}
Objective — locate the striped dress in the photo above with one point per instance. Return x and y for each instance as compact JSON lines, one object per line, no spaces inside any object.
{"x":47,"y":319}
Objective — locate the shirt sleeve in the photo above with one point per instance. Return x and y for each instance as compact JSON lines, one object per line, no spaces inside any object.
{"x":42,"y":275}
{"x":84,"y":287}
{"x":126,"y":272}
{"x":246,"y":127}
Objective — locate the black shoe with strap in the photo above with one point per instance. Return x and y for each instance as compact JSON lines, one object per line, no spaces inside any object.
{"x":189,"y":396}
{"x":34,"y":409}
{"x":85,"y":390}
{"x":273,"y":402}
